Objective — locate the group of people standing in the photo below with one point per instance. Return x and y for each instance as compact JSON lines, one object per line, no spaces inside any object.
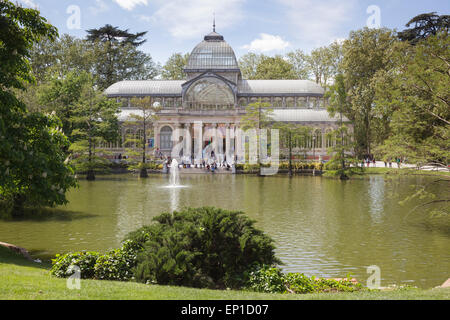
{"x":370,"y":159}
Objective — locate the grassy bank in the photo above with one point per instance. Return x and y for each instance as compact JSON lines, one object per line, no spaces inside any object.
{"x":25,"y":280}
{"x":388,"y":171}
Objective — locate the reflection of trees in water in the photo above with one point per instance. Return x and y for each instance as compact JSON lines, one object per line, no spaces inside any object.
{"x":376,"y":196}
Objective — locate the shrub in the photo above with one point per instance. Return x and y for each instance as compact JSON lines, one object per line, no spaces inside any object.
{"x":83,"y":260}
{"x":118,"y":264}
{"x":299,"y":283}
{"x":267,"y":279}
{"x":205,"y":247}
{"x":272,"y":280}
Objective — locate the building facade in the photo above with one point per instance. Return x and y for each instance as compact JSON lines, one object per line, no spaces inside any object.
{"x":210,"y":103}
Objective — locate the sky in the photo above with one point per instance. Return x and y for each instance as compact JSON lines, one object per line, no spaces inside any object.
{"x":260,"y":26}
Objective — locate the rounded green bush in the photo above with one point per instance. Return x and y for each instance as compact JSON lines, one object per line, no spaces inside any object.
{"x":83,"y":260}
{"x":203,"y":248}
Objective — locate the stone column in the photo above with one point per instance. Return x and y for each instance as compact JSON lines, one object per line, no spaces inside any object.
{"x":228,"y":145}
{"x":187,"y":138}
{"x":215,"y":139}
{"x":324,"y":140}
{"x":198,"y":147}
{"x":239,"y":147}
{"x":157,"y":137}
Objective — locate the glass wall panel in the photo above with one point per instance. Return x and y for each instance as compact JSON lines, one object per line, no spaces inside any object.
{"x":278,"y":102}
{"x":290,"y":102}
{"x":302,"y":102}
{"x":210,"y":93}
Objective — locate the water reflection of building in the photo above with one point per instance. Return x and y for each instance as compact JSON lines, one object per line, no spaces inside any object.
{"x":215,"y":94}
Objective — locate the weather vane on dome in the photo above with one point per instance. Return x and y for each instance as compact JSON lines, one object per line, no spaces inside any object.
{"x":214,"y":23}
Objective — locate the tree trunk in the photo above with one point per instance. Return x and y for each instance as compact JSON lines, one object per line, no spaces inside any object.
{"x":144,"y":174}
{"x":91,"y":173}
{"x":290,"y":155}
{"x":18,"y":204}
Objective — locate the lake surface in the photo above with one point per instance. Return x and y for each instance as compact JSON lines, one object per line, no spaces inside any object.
{"x":322,"y":227}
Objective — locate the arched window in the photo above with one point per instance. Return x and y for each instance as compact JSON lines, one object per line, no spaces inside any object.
{"x":278,"y":102}
{"x":128,"y":138}
{"x":210,"y":93}
{"x":290,"y":102}
{"x":168,"y":103}
{"x":139,"y":137}
{"x":318,"y":137}
{"x":243,"y":102}
{"x":302,"y":102}
{"x":166,"y":138}
{"x":330,"y":138}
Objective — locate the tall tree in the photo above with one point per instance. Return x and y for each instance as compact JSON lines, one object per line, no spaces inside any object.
{"x":343,"y":150}
{"x":174,"y":67}
{"x":323,"y":63}
{"x":290,"y":134}
{"x":117,"y":56}
{"x":257,"y":116}
{"x":416,"y":91}
{"x":299,"y":60}
{"x":59,"y":57}
{"x":366,"y":52}
{"x":111,"y":34}
{"x":61,"y":94}
{"x":32,"y":158}
{"x":249,"y":63}
{"x":275,"y":68}
{"x":95,"y":122}
{"x":424,"y":25}
{"x":144,"y":120}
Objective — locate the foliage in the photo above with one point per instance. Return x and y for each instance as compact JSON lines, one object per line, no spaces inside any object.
{"x":275,"y":68}
{"x":144,"y":121}
{"x":174,"y":67}
{"x":267,"y":279}
{"x":32,"y":147}
{"x":323,"y":63}
{"x":37,"y":174}
{"x":366,"y":52}
{"x":297,"y":167}
{"x":425,"y":25}
{"x":118,"y":264}
{"x":84,"y":260}
{"x":299,"y":60}
{"x":249,"y":63}
{"x":203,"y":247}
{"x":289,"y":135}
{"x":115,"y":265}
{"x":416,"y":94}
{"x":117,"y":57}
{"x":21,"y":29}
{"x":56,"y":58}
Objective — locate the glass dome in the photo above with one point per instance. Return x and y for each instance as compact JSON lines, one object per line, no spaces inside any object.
{"x":213,"y":53}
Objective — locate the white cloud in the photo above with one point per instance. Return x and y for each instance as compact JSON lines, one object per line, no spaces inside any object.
{"x":189,"y":19}
{"x":130,"y":4}
{"x":29,"y":3}
{"x":100,"y":7}
{"x":319,"y":22}
{"x":267,"y":43}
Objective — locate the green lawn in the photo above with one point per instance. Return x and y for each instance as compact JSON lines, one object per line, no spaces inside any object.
{"x":389,"y":171}
{"x":23,"y":280}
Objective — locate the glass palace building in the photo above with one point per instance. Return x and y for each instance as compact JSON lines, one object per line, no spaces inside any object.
{"x":210,"y":103}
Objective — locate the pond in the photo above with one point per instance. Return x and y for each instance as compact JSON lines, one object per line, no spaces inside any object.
{"x":322,"y":227}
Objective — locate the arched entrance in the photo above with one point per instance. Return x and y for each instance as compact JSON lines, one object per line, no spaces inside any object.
{"x":166,"y":143}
